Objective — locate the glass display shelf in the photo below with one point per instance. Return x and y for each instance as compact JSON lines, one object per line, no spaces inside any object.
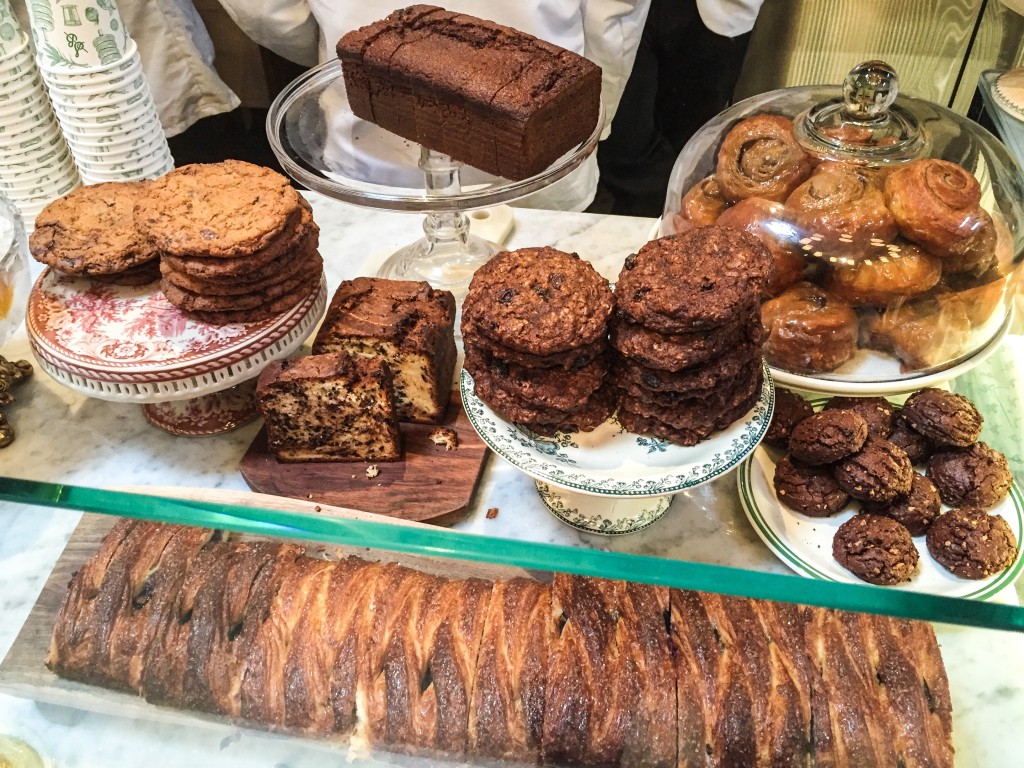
{"x":437,"y":542}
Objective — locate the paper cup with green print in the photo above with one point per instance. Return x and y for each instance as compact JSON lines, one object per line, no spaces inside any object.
{"x":77,"y":35}
{"x":12,"y":37}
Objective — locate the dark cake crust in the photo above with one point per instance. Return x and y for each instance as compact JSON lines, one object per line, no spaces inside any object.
{"x":486,"y":94}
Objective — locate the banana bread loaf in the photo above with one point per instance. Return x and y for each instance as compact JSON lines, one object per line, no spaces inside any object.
{"x":489,"y":95}
{"x":409,"y":325}
{"x":330,"y":407}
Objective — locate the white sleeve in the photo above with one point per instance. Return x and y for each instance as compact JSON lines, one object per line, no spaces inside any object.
{"x":729,"y":18}
{"x":286,"y":27}
{"x":611,"y":34}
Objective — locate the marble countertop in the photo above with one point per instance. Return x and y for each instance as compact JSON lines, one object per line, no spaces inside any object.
{"x":66,"y":437}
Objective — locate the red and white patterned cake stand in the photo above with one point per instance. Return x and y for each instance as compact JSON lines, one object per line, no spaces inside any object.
{"x":129,"y":344}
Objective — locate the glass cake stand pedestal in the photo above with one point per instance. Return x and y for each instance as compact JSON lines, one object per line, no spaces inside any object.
{"x":129,"y":344}
{"x":321,"y":144}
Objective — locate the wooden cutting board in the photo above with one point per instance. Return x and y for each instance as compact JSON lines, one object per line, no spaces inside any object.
{"x":430,"y":484}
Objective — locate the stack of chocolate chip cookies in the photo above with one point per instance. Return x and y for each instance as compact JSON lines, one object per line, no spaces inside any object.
{"x":237,"y":243}
{"x":534,"y":327}
{"x":91,"y":232}
{"x":687,"y":333}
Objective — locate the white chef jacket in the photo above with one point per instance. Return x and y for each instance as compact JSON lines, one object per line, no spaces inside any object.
{"x":605,"y":31}
{"x":177,"y":58}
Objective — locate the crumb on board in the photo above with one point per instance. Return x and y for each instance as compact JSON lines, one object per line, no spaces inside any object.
{"x":317,"y":508}
{"x":372,"y":471}
{"x":446,"y":437}
{"x":492,"y":513}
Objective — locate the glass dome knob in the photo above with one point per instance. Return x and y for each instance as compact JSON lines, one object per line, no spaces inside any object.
{"x":870,"y":89}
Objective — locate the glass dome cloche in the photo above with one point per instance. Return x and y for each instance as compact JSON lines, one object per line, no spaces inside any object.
{"x":895,"y":225}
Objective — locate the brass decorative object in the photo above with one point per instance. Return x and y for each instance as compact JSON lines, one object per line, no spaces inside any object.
{"x":11,"y":372}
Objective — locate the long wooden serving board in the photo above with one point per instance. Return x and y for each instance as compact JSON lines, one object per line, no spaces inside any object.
{"x":431,"y":484}
{"x":23,"y":671}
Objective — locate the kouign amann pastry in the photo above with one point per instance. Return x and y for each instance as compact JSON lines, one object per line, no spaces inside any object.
{"x":406,"y":323}
{"x":488,"y":95}
{"x":329,"y":407}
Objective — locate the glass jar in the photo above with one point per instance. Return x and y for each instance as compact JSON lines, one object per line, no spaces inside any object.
{"x":15,"y":281}
{"x":895,"y":225}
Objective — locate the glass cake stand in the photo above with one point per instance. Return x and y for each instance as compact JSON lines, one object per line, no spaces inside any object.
{"x":320,"y":143}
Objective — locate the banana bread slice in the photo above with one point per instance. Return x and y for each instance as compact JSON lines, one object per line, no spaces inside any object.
{"x":406,"y":323}
{"x":329,"y":407}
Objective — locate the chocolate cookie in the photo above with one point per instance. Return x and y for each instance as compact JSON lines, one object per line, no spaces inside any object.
{"x":287,"y":268}
{"x":594,"y":412}
{"x":972,"y":544}
{"x":699,"y":430}
{"x":790,"y":410}
{"x":878,"y":472}
{"x":488,"y":387}
{"x":141,"y":274}
{"x":703,"y":278}
{"x":977,"y":476}
{"x":875,"y":549}
{"x":546,"y":387}
{"x":828,"y":436}
{"x":674,"y":352}
{"x":570,"y":359}
{"x":916,"y":510}
{"x":877,"y":412}
{"x":538,"y":300}
{"x":635,"y":377}
{"x":809,"y":490}
{"x":297,"y":285}
{"x":91,"y":230}
{"x":300,"y":234}
{"x":944,"y":417}
{"x":258,"y":314}
{"x":217,"y":209}
{"x":917,"y":446}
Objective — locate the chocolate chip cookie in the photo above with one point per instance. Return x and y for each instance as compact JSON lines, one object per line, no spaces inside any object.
{"x":879,"y":471}
{"x":875,"y":549}
{"x":976,"y":476}
{"x":809,"y":490}
{"x":944,"y":417}
{"x":828,"y":436}
{"x":703,"y":278}
{"x":676,"y":351}
{"x":92,"y":231}
{"x":538,"y":300}
{"x":972,"y":544}
{"x":217,"y":209}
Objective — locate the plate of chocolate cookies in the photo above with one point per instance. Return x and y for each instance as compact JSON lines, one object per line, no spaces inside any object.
{"x":861,"y":490}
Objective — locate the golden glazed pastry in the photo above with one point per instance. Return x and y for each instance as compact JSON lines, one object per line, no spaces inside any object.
{"x":809,"y":329}
{"x":886,"y":277}
{"x":767,"y":221}
{"x":701,"y":204}
{"x":937,"y":204}
{"x":842,"y":208}
{"x":921,"y":334}
{"x":760,"y":157}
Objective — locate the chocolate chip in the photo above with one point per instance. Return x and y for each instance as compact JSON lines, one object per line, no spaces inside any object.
{"x":506,"y":296}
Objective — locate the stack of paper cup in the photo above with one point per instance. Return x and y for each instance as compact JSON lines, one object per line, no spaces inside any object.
{"x":94,"y":76}
{"x":35,"y":164}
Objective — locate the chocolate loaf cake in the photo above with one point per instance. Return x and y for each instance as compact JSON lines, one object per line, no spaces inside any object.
{"x":409,"y":325}
{"x":488,"y":95}
{"x":581,"y":671}
{"x":330,"y":407}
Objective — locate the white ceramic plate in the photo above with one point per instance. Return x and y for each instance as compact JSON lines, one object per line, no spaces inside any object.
{"x":613,"y":462}
{"x":805,"y":543}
